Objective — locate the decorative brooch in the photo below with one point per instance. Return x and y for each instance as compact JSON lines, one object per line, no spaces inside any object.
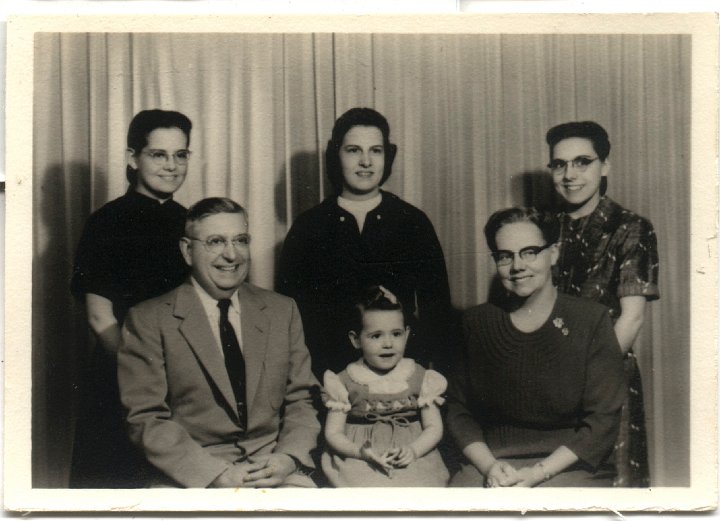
{"x":560,"y":324}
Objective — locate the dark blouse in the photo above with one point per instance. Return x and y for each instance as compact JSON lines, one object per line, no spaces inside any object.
{"x":326,"y":262}
{"x":526,"y":394}
{"x":607,"y":255}
{"x":129,"y":251}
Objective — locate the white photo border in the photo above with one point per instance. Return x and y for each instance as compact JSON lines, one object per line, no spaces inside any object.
{"x":701,"y":495}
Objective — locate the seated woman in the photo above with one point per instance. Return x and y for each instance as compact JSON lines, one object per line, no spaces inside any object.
{"x":537,"y":397}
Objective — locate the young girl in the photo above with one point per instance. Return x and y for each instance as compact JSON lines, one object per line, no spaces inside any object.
{"x":383,"y":421}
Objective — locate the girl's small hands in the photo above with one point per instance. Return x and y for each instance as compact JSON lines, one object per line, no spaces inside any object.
{"x":369,"y":455}
{"x":400,"y":457}
{"x":390,"y":454}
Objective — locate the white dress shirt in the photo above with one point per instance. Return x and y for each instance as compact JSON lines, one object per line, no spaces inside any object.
{"x":212,"y":311}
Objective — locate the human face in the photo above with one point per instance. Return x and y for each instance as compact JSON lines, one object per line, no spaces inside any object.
{"x":382,"y":339}
{"x":362,"y":157}
{"x":218,"y":274}
{"x":522,"y":278}
{"x":580,"y":189}
{"x":159,"y":181}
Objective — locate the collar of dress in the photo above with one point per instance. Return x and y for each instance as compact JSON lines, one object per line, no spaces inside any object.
{"x":138,"y":198}
{"x":332,"y":206}
{"x":394,"y":381}
{"x":602,"y":219}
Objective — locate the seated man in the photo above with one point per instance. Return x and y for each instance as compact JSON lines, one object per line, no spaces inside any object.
{"x":215,"y":375}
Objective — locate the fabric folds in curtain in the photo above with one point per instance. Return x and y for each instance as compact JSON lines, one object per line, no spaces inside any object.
{"x":468,"y":113}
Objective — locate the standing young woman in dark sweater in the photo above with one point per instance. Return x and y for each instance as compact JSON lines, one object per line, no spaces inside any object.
{"x":537,"y":396}
{"x":129,"y":252}
{"x":359,"y":237}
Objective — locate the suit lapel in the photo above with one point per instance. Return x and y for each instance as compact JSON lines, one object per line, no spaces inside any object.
{"x":255,"y":330}
{"x":195,"y":328}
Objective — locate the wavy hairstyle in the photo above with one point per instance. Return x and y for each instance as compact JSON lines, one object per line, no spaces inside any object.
{"x":210,"y":206}
{"x":546,"y":221}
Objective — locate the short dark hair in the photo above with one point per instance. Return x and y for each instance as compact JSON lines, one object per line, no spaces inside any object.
{"x":589,"y":130}
{"x":145,"y":122}
{"x":546,"y":221}
{"x":372,"y":298}
{"x":211,"y":206}
{"x":356,"y":117}
{"x":582,"y":129}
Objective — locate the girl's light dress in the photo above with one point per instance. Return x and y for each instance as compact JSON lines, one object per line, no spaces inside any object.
{"x":385,"y":410}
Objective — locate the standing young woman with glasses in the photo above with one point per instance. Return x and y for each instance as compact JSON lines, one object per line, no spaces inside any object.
{"x":129,"y":252}
{"x":608,"y":254}
{"x":536,"y":398}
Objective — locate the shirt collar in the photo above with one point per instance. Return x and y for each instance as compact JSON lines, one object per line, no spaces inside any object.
{"x":209,"y":302}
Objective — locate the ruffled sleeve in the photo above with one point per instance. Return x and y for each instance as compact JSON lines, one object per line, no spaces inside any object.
{"x":335,"y":395}
{"x":432,"y":388}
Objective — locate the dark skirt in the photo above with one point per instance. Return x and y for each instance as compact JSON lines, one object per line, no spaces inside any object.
{"x":630,"y":455}
{"x":103,"y":456}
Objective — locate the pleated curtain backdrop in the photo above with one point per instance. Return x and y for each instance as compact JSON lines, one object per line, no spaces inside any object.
{"x":468,"y":113}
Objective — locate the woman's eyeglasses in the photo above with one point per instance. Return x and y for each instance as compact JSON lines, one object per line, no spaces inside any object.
{"x":161,"y":157}
{"x":580,"y":163}
{"x":528,"y":254}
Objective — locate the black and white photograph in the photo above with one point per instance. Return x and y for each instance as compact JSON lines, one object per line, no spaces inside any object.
{"x":287,"y":257}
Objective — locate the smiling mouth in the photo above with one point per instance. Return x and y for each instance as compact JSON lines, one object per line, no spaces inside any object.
{"x":228,"y":269}
{"x":573,"y":188}
{"x":365,"y":174}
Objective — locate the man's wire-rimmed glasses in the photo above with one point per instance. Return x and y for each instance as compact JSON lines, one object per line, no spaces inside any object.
{"x":216,"y":244}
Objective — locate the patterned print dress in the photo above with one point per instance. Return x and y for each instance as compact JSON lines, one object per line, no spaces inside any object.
{"x":607,"y":255}
{"x":384,"y":410}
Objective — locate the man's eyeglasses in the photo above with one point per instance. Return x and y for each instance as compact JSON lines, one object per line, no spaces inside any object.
{"x":527,"y":254}
{"x":580,"y":163}
{"x":161,"y":157}
{"x":216,"y":244}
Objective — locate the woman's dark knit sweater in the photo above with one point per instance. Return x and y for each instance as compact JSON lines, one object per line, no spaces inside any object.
{"x":526,"y":394}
